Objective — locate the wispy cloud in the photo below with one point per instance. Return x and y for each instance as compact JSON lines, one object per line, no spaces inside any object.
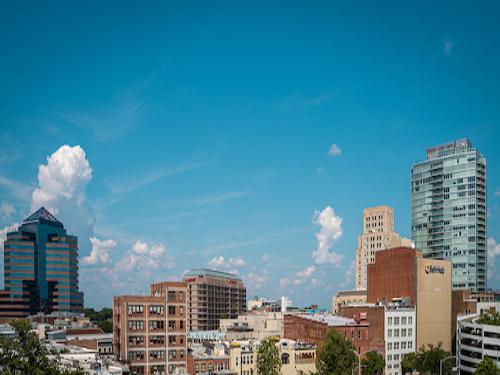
{"x":258,"y":239}
{"x":215,"y":198}
{"x":299,"y":102}
{"x":18,"y":189}
{"x":497,"y":193}
{"x":131,"y":184}
{"x":448,"y":46}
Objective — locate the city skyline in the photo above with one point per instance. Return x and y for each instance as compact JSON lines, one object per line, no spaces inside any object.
{"x":254,"y":150}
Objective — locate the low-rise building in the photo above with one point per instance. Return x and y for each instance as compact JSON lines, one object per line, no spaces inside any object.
{"x":243,"y":357}
{"x":257,"y":325}
{"x":400,"y":336}
{"x":297,"y":358}
{"x":313,"y":329}
{"x":207,"y":360}
{"x":348,"y":298}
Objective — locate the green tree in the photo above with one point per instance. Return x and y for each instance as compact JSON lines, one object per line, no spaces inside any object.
{"x":336,"y":355}
{"x":491,"y":318}
{"x":25,"y":354}
{"x":426,"y":361}
{"x":409,"y":362}
{"x":103,"y":318}
{"x":268,"y":358}
{"x":487,"y":367}
{"x":373,"y":363}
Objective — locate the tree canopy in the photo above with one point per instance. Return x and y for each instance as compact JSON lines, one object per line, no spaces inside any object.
{"x":373,"y":363}
{"x":487,"y":367}
{"x":336,"y":356}
{"x":25,"y":354}
{"x":426,"y":361}
{"x":268,"y":358}
{"x":489,"y":317}
{"x":103,"y":318}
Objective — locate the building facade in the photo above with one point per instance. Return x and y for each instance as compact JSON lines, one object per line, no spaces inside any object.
{"x":474,"y":342}
{"x":400,"y":336}
{"x":207,"y":360}
{"x":40,"y":268}
{"x":348,"y":298}
{"x":312,"y":329}
{"x":378,"y":234}
{"x":402,"y":275}
{"x":149,"y":332}
{"x":449,"y":220}
{"x":213,"y":295}
{"x":258,"y":325}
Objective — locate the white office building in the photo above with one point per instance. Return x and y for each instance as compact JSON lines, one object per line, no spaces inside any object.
{"x":400,"y":336}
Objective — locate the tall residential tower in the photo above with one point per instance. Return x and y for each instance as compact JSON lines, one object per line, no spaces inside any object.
{"x":41,"y":268}
{"x":448,"y":200}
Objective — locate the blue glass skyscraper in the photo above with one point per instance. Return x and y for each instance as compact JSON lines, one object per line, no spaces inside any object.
{"x":41,"y":268}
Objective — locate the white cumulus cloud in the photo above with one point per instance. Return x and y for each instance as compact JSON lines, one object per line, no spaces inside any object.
{"x":221,"y":262}
{"x":7,"y":210}
{"x":145,"y":258}
{"x":334,"y":150}
{"x":330,"y":232}
{"x":349,"y":275}
{"x":493,"y":252}
{"x":256,"y":281}
{"x":306,"y":272}
{"x":61,"y":190}
{"x":100,"y":251}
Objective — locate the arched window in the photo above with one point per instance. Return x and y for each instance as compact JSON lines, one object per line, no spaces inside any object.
{"x":285,"y":359}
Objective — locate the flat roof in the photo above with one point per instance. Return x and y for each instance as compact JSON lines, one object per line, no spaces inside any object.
{"x":331,"y":320}
{"x":211,"y":273}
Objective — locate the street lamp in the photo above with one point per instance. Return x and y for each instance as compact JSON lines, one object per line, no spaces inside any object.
{"x":441,"y":361}
{"x":359,"y":363}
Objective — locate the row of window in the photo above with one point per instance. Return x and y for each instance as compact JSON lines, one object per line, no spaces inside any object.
{"x":403,"y":320}
{"x":399,"y":345}
{"x":404,"y":332}
{"x":216,"y":367}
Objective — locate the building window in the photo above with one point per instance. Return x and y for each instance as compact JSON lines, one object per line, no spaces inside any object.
{"x":285,"y":359}
{"x":410,"y":320}
{"x":389,"y":321}
{"x":403,"y":320}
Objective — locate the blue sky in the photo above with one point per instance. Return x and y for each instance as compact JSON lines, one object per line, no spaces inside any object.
{"x":204,"y":130}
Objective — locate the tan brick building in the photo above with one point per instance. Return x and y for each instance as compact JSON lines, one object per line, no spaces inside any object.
{"x":149,"y":332}
{"x":378,"y":234}
{"x":213,"y":295}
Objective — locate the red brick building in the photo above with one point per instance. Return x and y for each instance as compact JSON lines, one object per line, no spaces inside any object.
{"x":149,"y":332}
{"x":203,"y":360}
{"x":393,"y":275}
{"x":313,"y":329}
{"x":374,"y":314}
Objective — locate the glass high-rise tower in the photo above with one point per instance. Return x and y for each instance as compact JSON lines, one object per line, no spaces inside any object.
{"x":449,"y":220}
{"x":41,"y":268}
